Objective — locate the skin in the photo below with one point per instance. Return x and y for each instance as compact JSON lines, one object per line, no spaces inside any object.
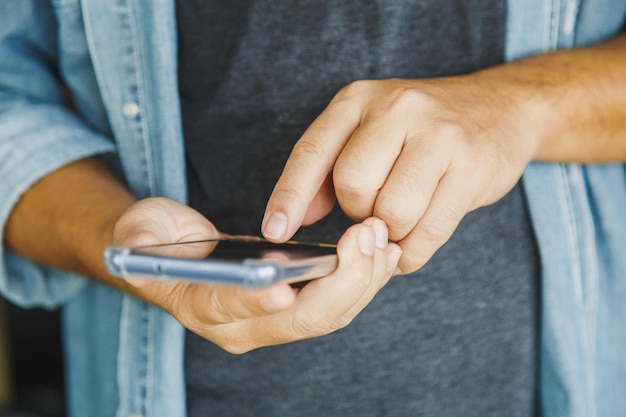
{"x":69,"y":227}
{"x":407,"y":158}
{"x":420,"y":154}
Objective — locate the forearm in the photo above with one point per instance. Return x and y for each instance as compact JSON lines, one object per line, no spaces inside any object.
{"x":66,"y":219}
{"x":573,"y":102}
{"x":69,"y":217}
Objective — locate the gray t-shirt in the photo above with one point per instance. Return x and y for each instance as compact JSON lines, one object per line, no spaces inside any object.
{"x":457,"y":338}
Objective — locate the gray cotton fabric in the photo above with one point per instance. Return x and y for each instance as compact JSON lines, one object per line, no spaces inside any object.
{"x":457,"y":338}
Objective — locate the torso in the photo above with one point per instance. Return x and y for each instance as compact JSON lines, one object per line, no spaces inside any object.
{"x":459,"y":337}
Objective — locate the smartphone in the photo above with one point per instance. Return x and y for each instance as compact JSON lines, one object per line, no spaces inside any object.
{"x":246,"y":261}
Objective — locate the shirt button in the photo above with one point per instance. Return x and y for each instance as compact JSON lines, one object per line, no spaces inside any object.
{"x":130,"y":110}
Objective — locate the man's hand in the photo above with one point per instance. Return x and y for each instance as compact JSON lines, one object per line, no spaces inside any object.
{"x":239,"y":320}
{"x":68,"y":218}
{"x":417,"y":154}
{"x":420,"y":154}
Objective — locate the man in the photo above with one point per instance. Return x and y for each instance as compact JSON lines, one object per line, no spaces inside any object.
{"x":454,"y":144}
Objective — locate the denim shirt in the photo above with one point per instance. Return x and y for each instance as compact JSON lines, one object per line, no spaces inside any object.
{"x":85,"y":77}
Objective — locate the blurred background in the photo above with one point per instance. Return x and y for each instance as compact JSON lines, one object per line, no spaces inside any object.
{"x":31,"y":370}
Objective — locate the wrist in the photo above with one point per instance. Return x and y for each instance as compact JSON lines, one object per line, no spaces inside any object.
{"x":571,"y":102}
{"x":89,"y":240}
{"x":64,"y":220}
{"x":527,"y":103}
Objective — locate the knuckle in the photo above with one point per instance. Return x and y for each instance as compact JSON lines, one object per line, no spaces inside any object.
{"x":451,"y":130}
{"x":343,"y":321}
{"x":308,"y":147}
{"x":309,"y":324}
{"x":315,"y":326}
{"x":235,"y":347}
{"x":231,"y":339}
{"x":317,"y":323}
{"x":404,"y":98}
{"x":352,"y":181}
{"x":348,"y":183}
{"x":410,"y":262}
{"x":457,"y":139}
{"x":395,"y":211}
{"x":217,"y":309}
{"x":356,"y":197}
{"x":288,"y":191}
{"x":354,"y":89}
{"x":415,"y":254}
{"x":435,"y":228}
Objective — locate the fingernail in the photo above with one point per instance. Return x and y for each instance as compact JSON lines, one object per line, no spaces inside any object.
{"x":366,"y":241}
{"x":276,"y":226}
{"x":380,"y":229}
{"x":392,"y":260}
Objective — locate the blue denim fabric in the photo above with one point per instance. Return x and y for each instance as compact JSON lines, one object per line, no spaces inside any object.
{"x":117,"y":59}
{"x":37,"y":136}
{"x":579,"y":215}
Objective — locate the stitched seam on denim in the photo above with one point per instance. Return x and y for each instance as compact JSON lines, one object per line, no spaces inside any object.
{"x":90,"y":46}
{"x":571,"y":19}
{"x":591,"y":276}
{"x":133,"y":49}
{"x":123,"y":380}
{"x":554,"y":10}
{"x":142,"y":363}
{"x":140,"y":170}
{"x":575,"y":236}
{"x":567,"y":209}
{"x":140,"y":95}
{"x":150,"y":361}
{"x":137,"y":373}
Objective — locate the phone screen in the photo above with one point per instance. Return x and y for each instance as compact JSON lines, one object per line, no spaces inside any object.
{"x":240,"y":260}
{"x":239,"y":248}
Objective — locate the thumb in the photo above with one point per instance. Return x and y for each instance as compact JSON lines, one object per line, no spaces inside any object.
{"x":216,"y":305}
{"x":142,"y":238}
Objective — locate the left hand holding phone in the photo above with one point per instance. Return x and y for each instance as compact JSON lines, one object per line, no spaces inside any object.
{"x":239,"y":320}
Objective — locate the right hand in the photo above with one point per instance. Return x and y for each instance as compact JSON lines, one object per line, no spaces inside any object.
{"x":239,"y":320}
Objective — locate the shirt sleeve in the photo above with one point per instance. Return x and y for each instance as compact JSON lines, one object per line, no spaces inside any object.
{"x":38,"y":134}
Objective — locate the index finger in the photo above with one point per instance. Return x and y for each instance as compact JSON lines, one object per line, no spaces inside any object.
{"x":312,"y":159}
